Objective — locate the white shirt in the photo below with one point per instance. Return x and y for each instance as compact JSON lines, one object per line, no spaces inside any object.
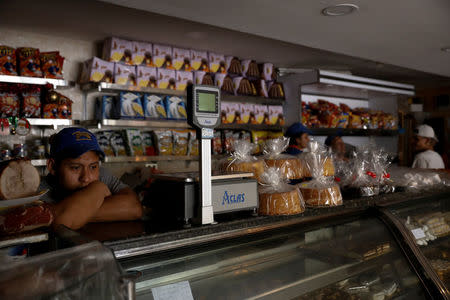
{"x":428,"y":160}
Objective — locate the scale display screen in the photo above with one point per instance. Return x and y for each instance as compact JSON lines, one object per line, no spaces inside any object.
{"x":207,"y":102}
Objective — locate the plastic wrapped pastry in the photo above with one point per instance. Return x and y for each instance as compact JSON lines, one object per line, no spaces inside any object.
{"x":276,"y":197}
{"x":290,"y":166}
{"x":241,"y":160}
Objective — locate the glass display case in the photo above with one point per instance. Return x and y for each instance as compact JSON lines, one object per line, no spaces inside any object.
{"x":424,"y":224}
{"x":352,"y":257}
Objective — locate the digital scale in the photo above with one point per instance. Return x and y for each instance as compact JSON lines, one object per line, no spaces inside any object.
{"x":198,"y":196}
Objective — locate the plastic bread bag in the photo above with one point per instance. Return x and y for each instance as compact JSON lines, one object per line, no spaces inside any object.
{"x":318,"y":162}
{"x":290,"y":166}
{"x":416,"y":180}
{"x":241,"y":160}
{"x":164,"y":142}
{"x":180,"y":142}
{"x":276,"y":196}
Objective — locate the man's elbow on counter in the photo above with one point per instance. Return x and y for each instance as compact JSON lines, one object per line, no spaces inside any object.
{"x":136,"y":211}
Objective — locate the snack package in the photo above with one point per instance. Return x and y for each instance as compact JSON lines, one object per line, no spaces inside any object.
{"x":267,"y":72}
{"x":230,"y":112}
{"x":343,"y":120}
{"x":124,"y":74}
{"x":130,"y":106}
{"x":261,"y":87}
{"x":142,"y":54}
{"x":274,"y":134}
{"x":289,"y":166}
{"x":31,"y":103}
{"x":199,"y":60}
{"x":250,"y":69}
{"x":261,"y":114}
{"x":276,"y":116}
{"x":202,"y":77}
{"x":64,"y":107}
{"x":224,"y":82}
{"x":166,"y":79}
{"x":162,"y":56}
{"x":216,"y":63}
{"x":9,"y":104}
{"x":118,"y":143}
{"x":147,"y":143}
{"x":183,"y":79}
{"x":355,"y":121}
{"x":107,"y":108}
{"x":28,"y":62}
{"x":176,"y":108}
{"x":97,"y":70}
{"x":104,"y":141}
{"x":247,"y":113}
{"x":241,"y":160}
{"x":52,"y":64}
{"x":193,"y":147}
{"x":180,"y":142}
{"x":8,"y":61}
{"x":276,"y":196}
{"x":146,"y":76}
{"x":134,"y":142}
{"x":164,"y":142}
{"x":216,"y":143}
{"x":182,"y":59}
{"x":154,"y":106}
{"x":276,"y":90}
{"x":228,"y":141}
{"x":242,"y":86}
{"x":118,"y":50}
{"x":321,"y":191}
{"x":233,"y":66}
{"x":259,"y":138}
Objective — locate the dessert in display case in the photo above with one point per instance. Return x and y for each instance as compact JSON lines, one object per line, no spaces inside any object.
{"x":425,"y":226}
{"x":352,"y":257}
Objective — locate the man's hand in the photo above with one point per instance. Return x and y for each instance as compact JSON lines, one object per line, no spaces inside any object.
{"x":79,"y":208}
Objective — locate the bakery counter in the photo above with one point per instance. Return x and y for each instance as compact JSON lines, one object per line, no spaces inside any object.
{"x":129,"y":239}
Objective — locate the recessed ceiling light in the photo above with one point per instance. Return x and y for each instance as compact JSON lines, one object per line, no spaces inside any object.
{"x":339,"y":10}
{"x":446,"y":49}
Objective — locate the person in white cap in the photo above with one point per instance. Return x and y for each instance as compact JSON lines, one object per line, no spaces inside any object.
{"x":425,"y":139}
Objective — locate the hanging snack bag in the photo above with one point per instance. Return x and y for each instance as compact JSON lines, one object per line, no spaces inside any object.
{"x":216,"y":63}
{"x":166,"y":79}
{"x":31,"y":103}
{"x":202,"y":77}
{"x":164,"y":142}
{"x":162,"y":56}
{"x":134,"y":142}
{"x":64,"y":107}
{"x":117,"y":50}
{"x":146,"y":76}
{"x":290,"y":166}
{"x":183,"y":79}
{"x":247,"y":113}
{"x":193,"y":148}
{"x":97,"y":70}
{"x":228,"y":141}
{"x":224,"y":82}
{"x":180,"y":142}
{"x":176,"y":108}
{"x":142,"y":54}
{"x":130,"y":106}
{"x":199,"y":60}
{"x":217,"y":145}
{"x":261,"y":114}
{"x":9,"y":104}
{"x":118,"y":143}
{"x":250,"y":68}
{"x":8,"y":61}
{"x":29,"y":62}
{"x":181,"y":59}
{"x":52,"y":64}
{"x":321,"y":191}
{"x":147,"y":143}
{"x":154,"y":106}
{"x":276,"y":90}
{"x":124,"y":74}
{"x":230,"y":112}
{"x":276,"y":196}
{"x":267,"y":72}
{"x":241,"y":160}
{"x":104,"y":141}
{"x":107,"y":108}
{"x":233,"y":66}
{"x":276,"y":116}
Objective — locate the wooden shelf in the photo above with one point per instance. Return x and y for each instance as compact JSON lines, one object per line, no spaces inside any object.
{"x":57,"y":83}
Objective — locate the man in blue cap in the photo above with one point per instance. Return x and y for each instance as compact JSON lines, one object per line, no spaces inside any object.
{"x":298,"y":138}
{"x":80,"y":190}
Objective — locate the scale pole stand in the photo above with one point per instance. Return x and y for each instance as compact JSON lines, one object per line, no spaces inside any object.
{"x":206,"y":213}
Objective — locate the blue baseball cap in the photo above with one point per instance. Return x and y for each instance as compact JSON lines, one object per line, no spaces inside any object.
{"x":73,"y":142}
{"x":296,"y":130}
{"x":331,"y":138}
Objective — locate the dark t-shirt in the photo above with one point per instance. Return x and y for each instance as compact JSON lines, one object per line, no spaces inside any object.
{"x":55,"y":194}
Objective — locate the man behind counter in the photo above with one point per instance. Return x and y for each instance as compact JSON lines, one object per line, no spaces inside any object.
{"x":81,"y":191}
{"x":424,"y":142}
{"x":298,"y":136}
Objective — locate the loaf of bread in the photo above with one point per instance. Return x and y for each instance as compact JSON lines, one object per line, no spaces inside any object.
{"x":316,"y":195}
{"x":18,"y":178}
{"x":255,"y":166}
{"x":288,"y":201}
{"x":290,"y":166}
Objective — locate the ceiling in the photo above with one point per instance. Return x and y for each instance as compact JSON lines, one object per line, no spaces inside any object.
{"x":392,"y":40}
{"x":404,"y":33}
